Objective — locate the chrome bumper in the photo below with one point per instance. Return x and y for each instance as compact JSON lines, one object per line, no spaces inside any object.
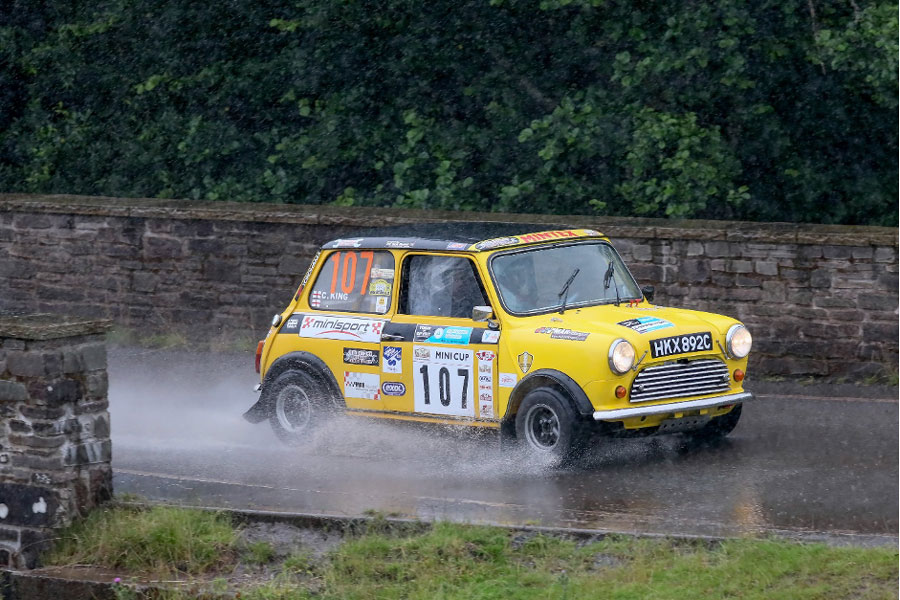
{"x":670,"y":407}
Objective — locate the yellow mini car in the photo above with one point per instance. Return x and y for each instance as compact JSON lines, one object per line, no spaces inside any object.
{"x":544,"y":335}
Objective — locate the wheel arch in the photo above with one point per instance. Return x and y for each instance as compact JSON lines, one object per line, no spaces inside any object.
{"x":310,"y":364}
{"x":553,"y":379}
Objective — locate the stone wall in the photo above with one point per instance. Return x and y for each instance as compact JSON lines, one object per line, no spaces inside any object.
{"x":819,"y":300}
{"x":54,"y":434}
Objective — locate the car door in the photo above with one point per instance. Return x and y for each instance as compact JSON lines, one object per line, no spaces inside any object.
{"x":437,"y":362}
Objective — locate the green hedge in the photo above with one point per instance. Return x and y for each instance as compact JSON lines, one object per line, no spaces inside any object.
{"x":769,"y":110}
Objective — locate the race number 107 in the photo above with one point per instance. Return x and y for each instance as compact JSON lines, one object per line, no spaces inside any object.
{"x":444,"y":390}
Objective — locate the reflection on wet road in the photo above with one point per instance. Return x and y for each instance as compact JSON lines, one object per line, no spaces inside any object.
{"x":792,"y":465}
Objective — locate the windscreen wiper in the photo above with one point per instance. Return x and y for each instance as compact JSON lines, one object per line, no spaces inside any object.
{"x":564,"y":292}
{"x":607,"y":277}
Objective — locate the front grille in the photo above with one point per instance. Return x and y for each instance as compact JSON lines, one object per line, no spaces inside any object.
{"x":677,"y":380}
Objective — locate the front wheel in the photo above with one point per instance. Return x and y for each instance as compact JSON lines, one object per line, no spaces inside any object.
{"x":297,"y":403}
{"x":546,"y":426}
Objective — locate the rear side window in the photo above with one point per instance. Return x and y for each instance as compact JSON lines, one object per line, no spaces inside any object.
{"x":354,"y":281}
{"x":440,"y":286}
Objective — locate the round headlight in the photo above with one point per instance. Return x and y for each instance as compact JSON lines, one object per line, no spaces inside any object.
{"x":738,"y":341}
{"x":621,"y":356}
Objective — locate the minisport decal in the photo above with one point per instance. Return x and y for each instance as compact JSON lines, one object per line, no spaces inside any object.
{"x":681,"y":344}
{"x":326,"y":327}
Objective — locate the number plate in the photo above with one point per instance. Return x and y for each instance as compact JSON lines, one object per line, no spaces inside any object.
{"x":681,"y":344}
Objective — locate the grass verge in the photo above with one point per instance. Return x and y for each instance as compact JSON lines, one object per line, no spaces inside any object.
{"x":451,"y":561}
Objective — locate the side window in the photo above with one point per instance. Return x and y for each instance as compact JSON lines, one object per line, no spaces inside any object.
{"x":354,"y":281}
{"x":440,"y":286}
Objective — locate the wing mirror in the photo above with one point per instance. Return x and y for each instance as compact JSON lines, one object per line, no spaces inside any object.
{"x":482,"y":313}
{"x":648,"y":291}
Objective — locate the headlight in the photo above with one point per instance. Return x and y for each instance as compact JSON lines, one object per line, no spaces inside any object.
{"x":621,"y":356}
{"x":738,"y":341}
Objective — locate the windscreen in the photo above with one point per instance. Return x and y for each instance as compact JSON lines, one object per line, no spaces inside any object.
{"x":539,"y":280}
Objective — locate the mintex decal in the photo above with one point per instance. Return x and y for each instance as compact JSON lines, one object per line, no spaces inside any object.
{"x":362,"y":385}
{"x":327,"y":327}
{"x":646,"y":324}
{"x":393,"y":388}
{"x":433,"y":334}
{"x":508,"y":380}
{"x":558,"y":333}
{"x":547,"y":235}
{"x":444,"y":381}
{"x":393,"y":360}
{"x":485,"y":384}
{"x":361,"y":356}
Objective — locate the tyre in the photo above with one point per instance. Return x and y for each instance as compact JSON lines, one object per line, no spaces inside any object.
{"x":718,"y":427}
{"x":546,"y":426}
{"x":297,"y":403}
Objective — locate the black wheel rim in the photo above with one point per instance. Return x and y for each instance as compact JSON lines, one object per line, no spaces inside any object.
{"x":292,"y":408}
{"x":542,"y":427}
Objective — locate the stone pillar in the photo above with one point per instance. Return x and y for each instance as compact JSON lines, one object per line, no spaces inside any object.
{"x":55,"y":448}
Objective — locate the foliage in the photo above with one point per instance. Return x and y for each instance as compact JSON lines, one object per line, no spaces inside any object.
{"x":159,"y":540}
{"x":760,"y":111}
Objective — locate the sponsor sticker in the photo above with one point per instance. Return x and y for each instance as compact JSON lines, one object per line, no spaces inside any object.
{"x":456,"y":246}
{"x":398,"y":244}
{"x":309,"y":271}
{"x":292,"y":323}
{"x":393,"y":360}
{"x":525,"y":360}
{"x":393,"y":388}
{"x":362,"y":385}
{"x":354,"y":243}
{"x":496,"y":243}
{"x":421,"y":354}
{"x":442,"y":335}
{"x":681,"y":344}
{"x":485,"y":384}
{"x":558,"y":333}
{"x":382,"y":273}
{"x":508,"y":380}
{"x":327,"y":327}
{"x":379,"y":287}
{"x":381,"y":304}
{"x":490,"y":337}
{"x":646,"y":324}
{"x":361,"y":356}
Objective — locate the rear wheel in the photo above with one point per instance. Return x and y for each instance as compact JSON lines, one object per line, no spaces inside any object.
{"x":547,"y":427}
{"x":718,"y":427}
{"x":297,"y":403}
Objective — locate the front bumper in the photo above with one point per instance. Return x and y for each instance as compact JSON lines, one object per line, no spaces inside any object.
{"x":671,"y":407}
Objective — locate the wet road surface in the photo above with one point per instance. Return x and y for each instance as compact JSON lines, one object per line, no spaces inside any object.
{"x":798,"y":464}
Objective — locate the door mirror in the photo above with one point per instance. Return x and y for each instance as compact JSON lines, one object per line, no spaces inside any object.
{"x":482,"y":313}
{"x":648,"y":291}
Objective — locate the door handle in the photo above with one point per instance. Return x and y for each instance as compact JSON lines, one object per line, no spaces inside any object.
{"x":390,"y":337}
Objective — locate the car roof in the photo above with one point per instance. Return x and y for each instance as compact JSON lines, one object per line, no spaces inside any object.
{"x":453,"y":235}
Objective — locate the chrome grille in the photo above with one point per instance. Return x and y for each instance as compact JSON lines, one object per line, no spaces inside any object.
{"x":677,"y":380}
